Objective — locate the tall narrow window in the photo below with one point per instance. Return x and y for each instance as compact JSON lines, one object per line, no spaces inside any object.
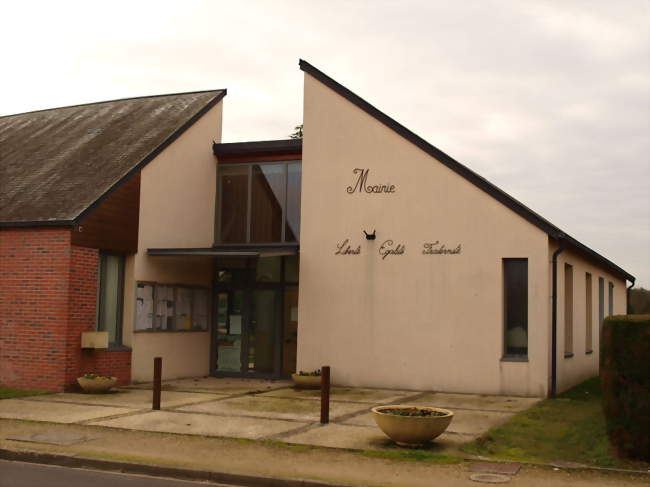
{"x":515,"y":290}
{"x":611,"y":299}
{"x":589,"y":341}
{"x":233,"y":194}
{"x":268,"y":202}
{"x":601,"y":303}
{"x":111,"y":286}
{"x":568,"y":310}
{"x":259,"y":203}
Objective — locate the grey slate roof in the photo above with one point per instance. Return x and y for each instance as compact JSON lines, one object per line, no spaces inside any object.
{"x":56,"y":163}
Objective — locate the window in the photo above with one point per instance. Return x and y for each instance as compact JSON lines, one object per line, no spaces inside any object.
{"x":589,"y":341}
{"x":568,"y":310}
{"x":515,"y":290}
{"x":601,"y":303}
{"x":162,"y":307}
{"x":259,"y":203}
{"x":111,"y":287}
{"x":611,"y":299}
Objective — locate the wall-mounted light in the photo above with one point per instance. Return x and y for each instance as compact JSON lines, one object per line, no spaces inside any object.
{"x":370,"y":236}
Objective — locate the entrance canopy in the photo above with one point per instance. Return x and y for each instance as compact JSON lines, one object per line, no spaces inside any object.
{"x":252,"y":250}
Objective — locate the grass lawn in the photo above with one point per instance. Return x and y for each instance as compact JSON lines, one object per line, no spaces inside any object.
{"x":12,"y":392}
{"x":569,"y":428}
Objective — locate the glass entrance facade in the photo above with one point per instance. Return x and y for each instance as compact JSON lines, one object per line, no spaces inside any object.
{"x":256,"y":316}
{"x":256,"y":299}
{"x":259,"y":202}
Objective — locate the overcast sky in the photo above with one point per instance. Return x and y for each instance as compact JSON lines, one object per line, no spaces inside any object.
{"x":548,"y":100}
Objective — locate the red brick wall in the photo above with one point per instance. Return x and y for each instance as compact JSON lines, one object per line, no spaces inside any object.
{"x":48,"y":292}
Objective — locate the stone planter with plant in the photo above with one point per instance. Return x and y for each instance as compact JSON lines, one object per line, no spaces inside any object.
{"x":307,"y":380}
{"x":412,"y":425}
{"x":95,"y":383}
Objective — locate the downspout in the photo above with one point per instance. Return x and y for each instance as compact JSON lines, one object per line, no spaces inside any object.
{"x":554,"y":317}
{"x":628,"y":308}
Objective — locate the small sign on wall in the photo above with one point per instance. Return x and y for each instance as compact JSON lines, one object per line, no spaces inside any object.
{"x":361,"y":184}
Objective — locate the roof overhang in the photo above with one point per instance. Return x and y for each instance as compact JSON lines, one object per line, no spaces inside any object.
{"x":288,"y":148}
{"x":253,"y":251}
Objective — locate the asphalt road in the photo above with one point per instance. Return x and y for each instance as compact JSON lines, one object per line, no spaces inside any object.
{"x":18,"y":474}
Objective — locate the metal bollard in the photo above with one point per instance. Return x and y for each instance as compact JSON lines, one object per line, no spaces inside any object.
{"x":325,"y":395}
{"x":157,"y":387}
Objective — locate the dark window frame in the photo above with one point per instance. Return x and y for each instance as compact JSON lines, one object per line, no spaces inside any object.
{"x":249,"y":203}
{"x":569,"y":309}
{"x":508,"y":355}
{"x":601,"y":303}
{"x":119,"y":325}
{"x":589,"y":314}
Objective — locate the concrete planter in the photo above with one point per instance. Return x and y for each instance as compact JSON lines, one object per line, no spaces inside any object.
{"x":411,"y":430}
{"x":306,"y":381}
{"x":97,"y":385}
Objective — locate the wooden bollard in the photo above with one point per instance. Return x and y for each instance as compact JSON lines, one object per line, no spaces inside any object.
{"x":325,"y":395}
{"x":157,"y":387}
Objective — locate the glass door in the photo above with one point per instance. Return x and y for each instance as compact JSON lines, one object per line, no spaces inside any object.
{"x":230,"y":331}
{"x":263,"y":332}
{"x":255,"y":313}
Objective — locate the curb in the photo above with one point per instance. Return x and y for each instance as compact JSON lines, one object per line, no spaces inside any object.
{"x":152,"y":470}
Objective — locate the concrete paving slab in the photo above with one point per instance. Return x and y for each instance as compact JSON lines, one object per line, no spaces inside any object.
{"x":55,"y":411}
{"x":367,"y":396}
{"x":129,"y":398}
{"x":472,"y":423}
{"x":477,"y":401}
{"x":202,"y":424}
{"x":54,"y":437}
{"x":365,"y":438}
{"x":275,"y":407}
{"x":219,"y":385}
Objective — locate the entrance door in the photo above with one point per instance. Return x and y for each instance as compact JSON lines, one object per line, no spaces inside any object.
{"x":256,"y":320}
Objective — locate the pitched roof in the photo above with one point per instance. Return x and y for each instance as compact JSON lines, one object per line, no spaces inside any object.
{"x":479,"y":181}
{"x":55,"y":164}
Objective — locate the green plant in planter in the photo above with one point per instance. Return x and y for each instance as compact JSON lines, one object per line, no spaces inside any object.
{"x":315,"y":373}
{"x":93,"y":376}
{"x":413,"y":411}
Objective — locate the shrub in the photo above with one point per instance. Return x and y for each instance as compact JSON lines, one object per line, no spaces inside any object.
{"x":625,"y":377}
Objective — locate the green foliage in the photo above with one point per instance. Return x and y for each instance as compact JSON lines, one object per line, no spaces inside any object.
{"x":12,"y":392}
{"x":570,"y":428}
{"x":625,"y":376}
{"x":298,"y":132}
{"x":314,"y":373}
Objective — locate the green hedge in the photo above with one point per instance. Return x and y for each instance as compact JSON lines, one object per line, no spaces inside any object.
{"x":625,"y":379}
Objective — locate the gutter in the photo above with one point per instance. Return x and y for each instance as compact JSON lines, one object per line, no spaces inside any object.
{"x":560,"y":239}
{"x":628,"y":307}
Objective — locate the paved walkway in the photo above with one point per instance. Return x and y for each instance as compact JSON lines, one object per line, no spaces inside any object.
{"x":214,"y":415}
{"x":260,"y":409}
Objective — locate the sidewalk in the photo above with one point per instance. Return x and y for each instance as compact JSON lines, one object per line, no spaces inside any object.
{"x":269,"y":459}
{"x":265,"y":429}
{"x":265,"y":410}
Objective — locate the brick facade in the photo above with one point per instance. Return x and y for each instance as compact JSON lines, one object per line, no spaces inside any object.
{"x":48,"y":296}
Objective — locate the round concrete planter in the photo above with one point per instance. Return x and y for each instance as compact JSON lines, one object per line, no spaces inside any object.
{"x":411,"y":430}
{"x":98,"y":384}
{"x":306,"y":381}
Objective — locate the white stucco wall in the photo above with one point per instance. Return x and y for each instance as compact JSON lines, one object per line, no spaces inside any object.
{"x":582,"y":365}
{"x":414,"y":321}
{"x":177,"y":204}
